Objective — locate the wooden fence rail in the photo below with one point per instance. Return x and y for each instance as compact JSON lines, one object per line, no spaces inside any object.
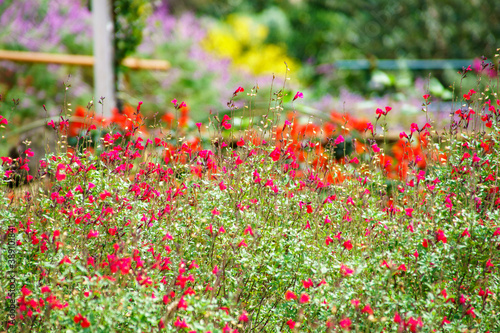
{"x":79,"y":60}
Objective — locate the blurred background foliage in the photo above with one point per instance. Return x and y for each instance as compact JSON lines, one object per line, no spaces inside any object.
{"x":215,"y":46}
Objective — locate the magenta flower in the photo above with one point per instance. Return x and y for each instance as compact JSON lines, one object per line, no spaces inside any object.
{"x":339,"y":139}
{"x":298,"y":95}
{"x":290,"y":295}
{"x":304,"y":298}
{"x":180,"y":323}
{"x":345,"y":324}
{"x":308,"y":283}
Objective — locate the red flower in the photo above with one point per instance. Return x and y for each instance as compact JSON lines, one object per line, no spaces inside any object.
{"x":182,"y":304}
{"x":275,"y":154}
{"x":238,"y":90}
{"x":367,"y":309}
{"x":489,"y":264}
{"x":65,"y":260}
{"x":181,"y":323}
{"x":248,"y":230}
{"x":290,"y":295}
{"x":345,"y":323}
{"x":346,"y":271}
{"x":222,"y":186}
{"x":440,"y":236}
{"x":304,"y":298}
{"x":307,"y":284}
{"x":84,"y":323}
{"x":244,"y":317}
{"x":291,"y":324}
{"x":348,"y":245}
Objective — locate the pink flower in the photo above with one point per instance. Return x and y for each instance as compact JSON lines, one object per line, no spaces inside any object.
{"x":308,"y":283}
{"x":181,"y":323}
{"x":222,"y":186}
{"x":426,"y":96}
{"x":291,"y":324}
{"x":248,"y":230}
{"x":369,"y":126}
{"x":489,"y":264}
{"x":298,"y":95}
{"x":290,"y":295}
{"x":375,"y":148}
{"x":215,"y":270}
{"x":409,"y":212}
{"x":345,"y":323}
{"x":3,"y":121}
{"x":346,"y":271}
{"x":339,"y":139}
{"x":199,"y":126}
{"x":243,"y":317}
{"x":304,"y":298}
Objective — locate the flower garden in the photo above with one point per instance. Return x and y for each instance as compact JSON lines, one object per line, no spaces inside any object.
{"x":266,"y":226}
{"x":270,"y":206}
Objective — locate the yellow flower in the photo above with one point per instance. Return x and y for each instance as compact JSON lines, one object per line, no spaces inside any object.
{"x":242,"y":39}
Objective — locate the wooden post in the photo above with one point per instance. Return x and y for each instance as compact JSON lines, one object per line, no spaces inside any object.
{"x":104,"y":77}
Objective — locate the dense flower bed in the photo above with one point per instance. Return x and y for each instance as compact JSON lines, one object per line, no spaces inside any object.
{"x":264,"y":228}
